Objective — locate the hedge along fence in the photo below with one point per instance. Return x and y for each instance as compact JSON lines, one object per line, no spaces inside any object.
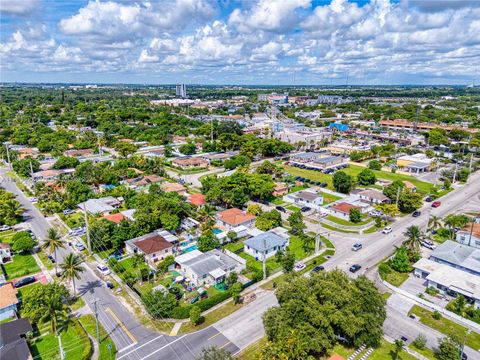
{"x":183,"y":312}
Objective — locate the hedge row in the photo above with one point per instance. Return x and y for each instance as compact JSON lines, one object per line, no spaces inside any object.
{"x":183,"y":312}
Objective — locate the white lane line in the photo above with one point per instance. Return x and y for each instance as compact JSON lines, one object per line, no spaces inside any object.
{"x":139,"y":347}
{"x":163,"y":347}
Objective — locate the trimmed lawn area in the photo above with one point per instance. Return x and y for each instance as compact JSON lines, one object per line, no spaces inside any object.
{"x":394,"y":277}
{"x":43,"y":256}
{"x":73,"y":220}
{"x":22,"y":265}
{"x":387,"y":351}
{"x":6,"y":236}
{"x":446,"y":326}
{"x":428,"y":353}
{"x":339,"y":230}
{"x":346,"y":222}
{"x":277,"y":201}
{"x":88,"y":322}
{"x":371,"y":230}
{"x":234,"y":246}
{"x":310,"y":174}
{"x":45,"y":347}
{"x":293,"y":208}
{"x":329,"y":198}
{"x":253,"y":350}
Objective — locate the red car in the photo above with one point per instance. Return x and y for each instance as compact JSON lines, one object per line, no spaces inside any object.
{"x":436,"y":204}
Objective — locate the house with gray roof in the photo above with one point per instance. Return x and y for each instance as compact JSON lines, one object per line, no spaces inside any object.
{"x":209,"y":268}
{"x":100,"y":206}
{"x":458,"y":256}
{"x":266,"y":244}
{"x":308,"y":197}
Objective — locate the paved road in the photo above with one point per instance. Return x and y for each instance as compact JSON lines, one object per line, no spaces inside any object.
{"x":244,"y":326}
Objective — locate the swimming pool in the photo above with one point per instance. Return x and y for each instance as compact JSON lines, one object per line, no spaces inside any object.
{"x":190,"y":248}
{"x":217,"y":231}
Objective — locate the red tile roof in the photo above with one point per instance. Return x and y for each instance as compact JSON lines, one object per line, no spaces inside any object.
{"x":197,"y":199}
{"x":4,"y":245}
{"x":153,"y":244}
{"x":344,"y":207}
{"x":235,"y":216}
{"x":116,"y":218}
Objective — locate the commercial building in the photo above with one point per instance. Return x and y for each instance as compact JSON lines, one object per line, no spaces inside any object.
{"x":400,"y":124}
{"x":328,"y":161}
{"x":458,"y":256}
{"x":181,"y":90}
{"x":415,"y":163}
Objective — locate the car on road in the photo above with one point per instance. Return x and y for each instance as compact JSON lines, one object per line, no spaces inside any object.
{"x":354,"y":268}
{"x":104,"y":270}
{"x":80,"y":246}
{"x":299,"y":267}
{"x":318,"y":268}
{"x":281,"y":208}
{"x":416,"y":213}
{"x":404,"y":339}
{"x":429,"y":198}
{"x":25,"y":281}
{"x":356,"y":246}
{"x":428,"y":244}
{"x":30,"y":232}
{"x":387,"y":230}
{"x":33,"y":199}
{"x":436,"y":204}
{"x":51,"y":258}
{"x":5,"y":228}
{"x":375,"y":213}
{"x":464,"y":356}
{"x":305,"y":209}
{"x":76,"y":231}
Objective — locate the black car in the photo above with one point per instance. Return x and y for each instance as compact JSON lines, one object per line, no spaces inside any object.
{"x":280,"y":208}
{"x":51,"y":258}
{"x":318,"y":268}
{"x":429,"y":198}
{"x":323,"y":185}
{"x":305,"y":208}
{"x":25,"y":281}
{"x":354,"y":268}
{"x":464,"y":356}
{"x":404,"y":339}
{"x":416,"y":213}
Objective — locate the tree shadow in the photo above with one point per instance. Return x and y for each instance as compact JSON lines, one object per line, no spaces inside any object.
{"x":89,"y":286}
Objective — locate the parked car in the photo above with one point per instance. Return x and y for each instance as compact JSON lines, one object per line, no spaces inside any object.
{"x":428,"y":244}
{"x":25,"y":281}
{"x":318,"y":268}
{"x":387,"y":230}
{"x":404,"y":339}
{"x":30,"y":232}
{"x":429,"y":198}
{"x":464,"y":356}
{"x":375,"y":213}
{"x":51,"y":258}
{"x":5,"y":228}
{"x":436,"y":204}
{"x":67,"y":212}
{"x":323,"y":185}
{"x":299,"y":267}
{"x":280,"y":208}
{"x":356,"y":246}
{"x":80,"y":246}
{"x":354,"y":268}
{"x":33,"y":199}
{"x":104,"y":270}
{"x":416,"y":213}
{"x":76,"y":231}
{"x":305,"y":209}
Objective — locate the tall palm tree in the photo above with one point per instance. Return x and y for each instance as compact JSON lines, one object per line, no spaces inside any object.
{"x":10,"y":210}
{"x":52,"y":243}
{"x":455,"y":220}
{"x":434,"y":222}
{"x":206,"y":215}
{"x":71,"y":268}
{"x":54,"y":311}
{"x":413,"y":235}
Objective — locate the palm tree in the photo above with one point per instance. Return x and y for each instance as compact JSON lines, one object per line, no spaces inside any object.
{"x":54,"y":311}
{"x":206,"y":215}
{"x":413,"y":235}
{"x":434,"y":222}
{"x":71,"y":268}
{"x":52,"y":243}
{"x":398,"y":347}
{"x":455,"y":220}
{"x":137,"y":260}
{"x":10,"y":210}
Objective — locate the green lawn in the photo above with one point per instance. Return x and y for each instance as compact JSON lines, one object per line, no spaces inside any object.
{"x":371,"y":230}
{"x":337,"y":229}
{"x":293,"y":208}
{"x":22,"y":265}
{"x":394,"y":277}
{"x":428,"y":353}
{"x":446,"y":326}
{"x":329,"y":198}
{"x":43,"y":256}
{"x":386,"y":352}
{"x":88,"y":322}
{"x":234,"y":246}
{"x":6,"y":236}
{"x":310,"y":174}
{"x":252,"y":351}
{"x":346,"y":222}
{"x":73,"y":220}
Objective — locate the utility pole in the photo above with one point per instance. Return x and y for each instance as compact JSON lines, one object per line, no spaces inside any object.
{"x":94,"y":302}
{"x":317,"y":244}
{"x":211,"y":130}
{"x":471,"y":232}
{"x":264,"y":260}
{"x":31,"y":171}
{"x":455,"y":173}
{"x":7,"y":143}
{"x":436,"y":175}
{"x":471,"y":160}
{"x":398,"y":195}
{"x":86,"y":229}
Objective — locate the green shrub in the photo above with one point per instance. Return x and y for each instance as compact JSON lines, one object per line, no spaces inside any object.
{"x":436,"y":315}
{"x":432,"y":291}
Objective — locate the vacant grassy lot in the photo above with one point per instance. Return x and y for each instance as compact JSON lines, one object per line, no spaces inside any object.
{"x":22,"y":265}
{"x":446,"y":326}
{"x":88,"y":322}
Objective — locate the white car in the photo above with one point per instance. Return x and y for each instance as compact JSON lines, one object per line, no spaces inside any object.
{"x":5,"y":228}
{"x":375,"y":213}
{"x":33,"y":199}
{"x":299,"y":267}
{"x":387,"y":230}
{"x":80,"y":246}
{"x":356,"y":247}
{"x":104,"y":270}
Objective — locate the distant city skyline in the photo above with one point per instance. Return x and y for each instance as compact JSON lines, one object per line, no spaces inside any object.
{"x":263,"y":42}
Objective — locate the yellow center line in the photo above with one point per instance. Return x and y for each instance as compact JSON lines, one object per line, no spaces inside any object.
{"x":115,"y":317}
{"x":214,"y":336}
{"x":229,"y":342}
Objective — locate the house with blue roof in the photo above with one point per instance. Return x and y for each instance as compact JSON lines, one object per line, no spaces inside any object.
{"x":266,"y":244}
{"x":338,"y":127}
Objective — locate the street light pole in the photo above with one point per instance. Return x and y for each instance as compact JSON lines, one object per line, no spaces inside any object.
{"x":94,"y":302}
{"x":8,"y":154}
{"x":87,"y":229}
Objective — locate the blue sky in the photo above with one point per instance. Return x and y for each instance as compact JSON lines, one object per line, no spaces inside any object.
{"x":241,"y":42}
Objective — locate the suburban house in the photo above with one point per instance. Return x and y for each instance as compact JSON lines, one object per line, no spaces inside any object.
{"x":143,"y":182}
{"x":240,"y":231}
{"x":8,"y":301}
{"x":78,"y":153}
{"x":155,"y":246}
{"x":51,"y":174}
{"x":280,"y":189}
{"x":219,"y":156}
{"x":209,"y":268}
{"x":100,"y":206}
{"x":234,"y":217}
{"x":193,"y":162}
{"x":197,"y":199}
{"x":342,"y":210}
{"x":409,"y":186}
{"x":174,"y":187}
{"x":24,"y":152}
{"x":373,"y":196}
{"x":13,"y":344}
{"x":449,"y":281}
{"x":307,"y":197}
{"x":415,"y":163}
{"x":122,"y":215}
{"x":5,"y":253}
{"x":458,"y":256}
{"x":265,"y":245}
{"x":469,"y":235}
